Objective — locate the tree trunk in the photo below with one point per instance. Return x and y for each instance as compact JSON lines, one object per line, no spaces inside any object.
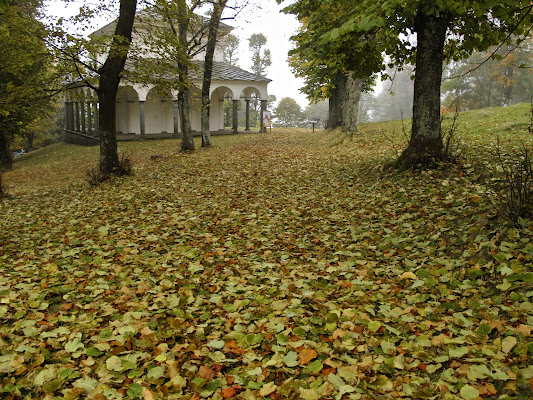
{"x":337,"y":101}
{"x":184,"y":94}
{"x":28,"y":138}
{"x":184,"y":109}
{"x":110,"y":74}
{"x":425,"y":147}
{"x":351,"y":105}
{"x":214,"y":23}
{"x":6,"y":158}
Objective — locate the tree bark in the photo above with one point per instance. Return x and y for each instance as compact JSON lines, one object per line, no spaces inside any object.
{"x":425,"y":147}
{"x":110,"y":74}
{"x":214,"y":24}
{"x":6,"y":158}
{"x":351,"y":105}
{"x":336,"y":101}
{"x":184,"y":94}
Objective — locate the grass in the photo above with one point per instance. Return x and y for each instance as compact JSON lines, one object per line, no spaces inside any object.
{"x":279,"y":265}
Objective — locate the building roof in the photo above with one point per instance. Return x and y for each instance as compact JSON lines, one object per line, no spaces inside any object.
{"x":225,"y":72}
{"x":222,"y":71}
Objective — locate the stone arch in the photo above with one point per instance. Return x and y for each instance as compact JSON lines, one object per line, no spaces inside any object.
{"x":159,"y":111}
{"x":221,"y":108}
{"x":254,"y":100}
{"x":127,"y":119}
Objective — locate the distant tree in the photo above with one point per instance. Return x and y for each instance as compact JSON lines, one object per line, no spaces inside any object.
{"x":288,"y":113}
{"x":395,"y":100}
{"x":261,"y":56}
{"x":483,"y":80}
{"x":261,"y":60}
{"x":271,"y":100}
{"x":317,"y":110}
{"x":231,"y":46}
{"x":26,"y":75}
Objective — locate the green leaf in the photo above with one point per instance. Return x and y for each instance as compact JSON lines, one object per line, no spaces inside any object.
{"x":291,"y":359}
{"x":373,"y":326}
{"x":315,"y":366}
{"x":483,"y":330}
{"x":135,"y":391}
{"x":469,"y":393}
{"x":87,"y":384}
{"x":156,"y":372}
{"x":114,"y":363}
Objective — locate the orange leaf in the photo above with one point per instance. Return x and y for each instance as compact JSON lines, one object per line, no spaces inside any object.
{"x":306,"y":355}
{"x":230,"y":392}
{"x":206,"y":372}
{"x":232,"y":347}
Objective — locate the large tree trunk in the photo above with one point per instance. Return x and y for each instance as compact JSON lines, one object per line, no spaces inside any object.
{"x":351,"y":105}
{"x":337,"y":101}
{"x":184,"y":94}
{"x":184,"y":109}
{"x":214,"y":23}
{"x":425,"y":147}
{"x":110,"y":74}
{"x":6,"y":158}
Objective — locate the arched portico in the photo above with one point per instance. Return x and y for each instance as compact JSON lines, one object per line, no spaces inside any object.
{"x":159,"y":112}
{"x":127,"y":118}
{"x":143,"y":109}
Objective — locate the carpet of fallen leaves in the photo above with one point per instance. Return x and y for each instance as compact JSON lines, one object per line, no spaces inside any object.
{"x":275,"y":266}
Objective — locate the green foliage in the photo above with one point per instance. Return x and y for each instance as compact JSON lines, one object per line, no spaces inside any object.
{"x":261,"y":56}
{"x":231,"y":45}
{"x":311,"y":274}
{"x":482,"y":81}
{"x":26,"y":72}
{"x":288,"y":113}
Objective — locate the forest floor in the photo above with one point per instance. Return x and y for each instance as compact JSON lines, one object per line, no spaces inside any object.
{"x":282,"y":265}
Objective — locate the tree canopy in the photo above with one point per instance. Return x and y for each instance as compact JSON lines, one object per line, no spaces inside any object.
{"x":352,"y":36}
{"x":26,"y":74}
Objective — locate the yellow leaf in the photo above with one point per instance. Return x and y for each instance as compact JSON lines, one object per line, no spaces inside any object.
{"x":148,"y":394}
{"x":267,"y":389}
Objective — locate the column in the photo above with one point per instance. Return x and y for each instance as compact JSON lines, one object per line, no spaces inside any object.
{"x":71,"y":115}
{"x":176,"y":118}
{"x":67,"y":115}
{"x":235,"y":116}
{"x":247,"y":115}
{"x":77,"y":115}
{"x":82,"y":106}
{"x":89,"y":118}
{"x":221,"y":112}
{"x":96,"y":119}
{"x":263,"y":108}
{"x":143,"y":129}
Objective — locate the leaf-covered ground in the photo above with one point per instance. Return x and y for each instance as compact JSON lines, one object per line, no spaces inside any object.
{"x":276,"y":266}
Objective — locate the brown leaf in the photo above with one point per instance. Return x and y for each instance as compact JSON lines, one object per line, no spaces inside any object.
{"x":230,"y":392}
{"x":306,"y":355}
{"x":206,"y":372}
{"x":147,"y":394}
{"x":232,"y":347}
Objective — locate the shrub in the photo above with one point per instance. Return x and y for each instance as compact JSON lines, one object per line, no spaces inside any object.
{"x":124,"y":168}
{"x":514,"y":190}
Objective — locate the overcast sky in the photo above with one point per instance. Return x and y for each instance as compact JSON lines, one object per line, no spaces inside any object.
{"x":278,"y":28}
{"x":264,"y":17}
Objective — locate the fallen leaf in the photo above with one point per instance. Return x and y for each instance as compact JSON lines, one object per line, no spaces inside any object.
{"x":306,"y":355}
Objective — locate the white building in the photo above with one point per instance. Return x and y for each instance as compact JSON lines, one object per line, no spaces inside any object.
{"x":142,"y":110}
